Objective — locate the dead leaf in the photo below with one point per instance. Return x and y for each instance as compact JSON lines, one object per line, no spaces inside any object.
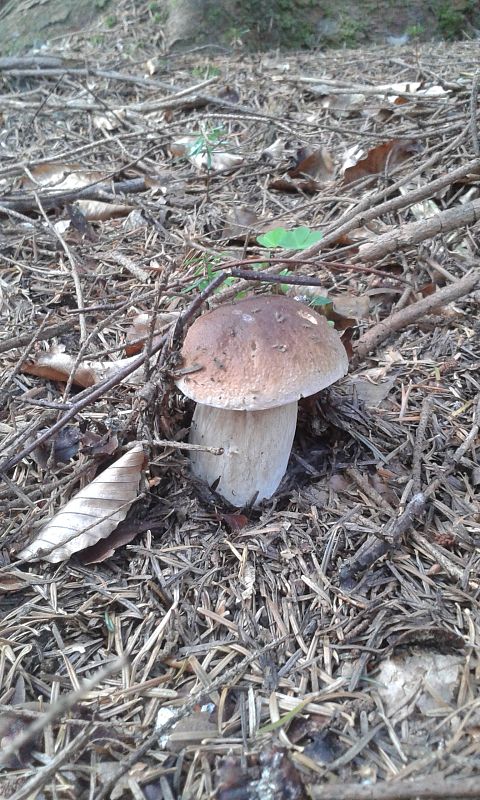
{"x":341,"y":104}
{"x":351,"y":305}
{"x":367,"y":390}
{"x":308,"y":186}
{"x":382,"y":158}
{"x":239,"y":223}
{"x":363,"y":234}
{"x":96,"y":445}
{"x":234,"y":522}
{"x":65,"y":446}
{"x":189,"y":730}
{"x":139,"y":330}
{"x":92,"y":514}
{"x":57,"y":365}
{"x":123,"y":534}
{"x":316,"y":164}
{"x":80,"y":222}
{"x":275,"y":151}
{"x":65,"y":177}
{"x":13,"y":580}
{"x":215,"y":160}
{"x":110,"y":121}
{"x":432,"y":678}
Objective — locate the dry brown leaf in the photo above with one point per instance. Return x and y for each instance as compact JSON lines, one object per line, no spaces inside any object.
{"x":306,"y":185}
{"x":194,"y":728}
{"x":97,"y":211}
{"x":382,"y":159}
{"x":92,"y":514}
{"x":139,"y":330}
{"x":351,"y":305}
{"x":369,"y":391}
{"x":71,"y":177}
{"x":316,"y":164}
{"x":60,"y":448}
{"x":62,"y":176}
{"x":13,"y":580}
{"x":57,"y":365}
{"x":340,"y":104}
{"x":239,"y":223}
{"x":123,"y":534}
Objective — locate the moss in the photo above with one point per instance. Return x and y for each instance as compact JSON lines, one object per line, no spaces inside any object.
{"x":282,"y":23}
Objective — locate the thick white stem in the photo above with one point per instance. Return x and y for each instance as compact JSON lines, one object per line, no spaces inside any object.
{"x":256,"y":445}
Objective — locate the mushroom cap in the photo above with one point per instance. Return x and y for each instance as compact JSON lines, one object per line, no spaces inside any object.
{"x":261,"y":352}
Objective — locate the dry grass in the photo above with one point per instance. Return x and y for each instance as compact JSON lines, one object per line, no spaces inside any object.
{"x":253,"y":635}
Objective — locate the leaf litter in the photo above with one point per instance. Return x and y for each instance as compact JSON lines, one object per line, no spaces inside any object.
{"x":241,"y":621}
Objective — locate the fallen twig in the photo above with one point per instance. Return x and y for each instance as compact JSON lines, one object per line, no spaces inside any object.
{"x":406,"y":316}
{"x":435,"y":786}
{"x":366,"y":210}
{"x":375,"y":547}
{"x":38,"y":336}
{"x":414,"y":232}
{"x":99,"y":389}
{"x":99,"y":190}
{"x":419,"y":443}
{"x":43,"y":775}
{"x":63,"y":704}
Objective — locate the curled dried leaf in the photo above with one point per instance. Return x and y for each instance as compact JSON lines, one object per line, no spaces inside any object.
{"x":317,"y":164}
{"x":383,"y":158}
{"x":92,"y":514}
{"x":57,"y":365}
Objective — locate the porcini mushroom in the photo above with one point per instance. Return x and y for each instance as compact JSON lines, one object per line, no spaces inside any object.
{"x":246,"y":365}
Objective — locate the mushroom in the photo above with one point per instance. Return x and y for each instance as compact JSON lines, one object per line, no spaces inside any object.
{"x":246,"y":365}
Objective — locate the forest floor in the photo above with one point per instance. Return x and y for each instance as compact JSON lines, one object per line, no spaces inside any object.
{"x":324,"y":643}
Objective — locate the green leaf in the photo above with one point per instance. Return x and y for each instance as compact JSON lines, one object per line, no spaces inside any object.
{"x":320,"y":300}
{"x":272,"y":238}
{"x":296,"y":239}
{"x":301,"y":238}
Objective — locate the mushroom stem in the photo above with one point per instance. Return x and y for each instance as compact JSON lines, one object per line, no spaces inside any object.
{"x":256,"y":447}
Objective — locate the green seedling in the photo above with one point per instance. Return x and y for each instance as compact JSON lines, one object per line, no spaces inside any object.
{"x":295,"y":239}
{"x":207,"y":143}
{"x":204,"y":73}
{"x":205,"y":273}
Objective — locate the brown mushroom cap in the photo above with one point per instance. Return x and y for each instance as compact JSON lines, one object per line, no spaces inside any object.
{"x":261,"y":352}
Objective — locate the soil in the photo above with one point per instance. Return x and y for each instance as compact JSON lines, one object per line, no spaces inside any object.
{"x":252,"y":23}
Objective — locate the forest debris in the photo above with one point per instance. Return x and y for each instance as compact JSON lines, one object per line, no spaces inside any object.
{"x":431,"y":678}
{"x":92,"y":514}
{"x":383,"y":158}
{"x":400,"y":319}
{"x":57,"y":365}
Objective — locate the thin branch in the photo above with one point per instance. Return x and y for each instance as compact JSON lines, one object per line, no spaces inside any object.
{"x":434,"y":787}
{"x":43,"y":775}
{"x":99,"y":389}
{"x":73,"y":266}
{"x":404,"y":236}
{"x":406,"y":316}
{"x":63,"y":704}
{"x":473,"y":113}
{"x":375,"y":546}
{"x":39,"y":336}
